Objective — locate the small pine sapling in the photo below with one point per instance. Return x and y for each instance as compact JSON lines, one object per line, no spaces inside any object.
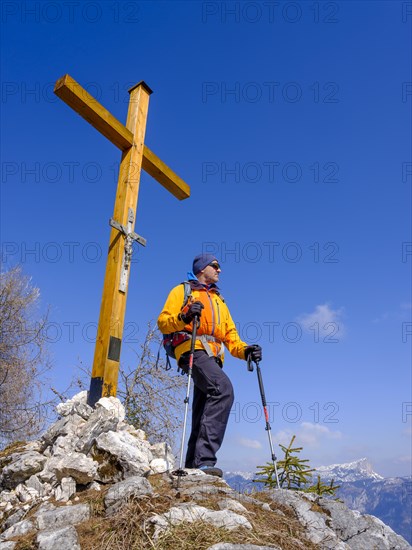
{"x":294,"y":473}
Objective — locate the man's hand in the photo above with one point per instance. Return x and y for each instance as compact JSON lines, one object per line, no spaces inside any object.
{"x":254,"y":352}
{"x":194,"y":310}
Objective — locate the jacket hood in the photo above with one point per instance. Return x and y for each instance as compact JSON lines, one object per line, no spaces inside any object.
{"x":194,"y":281}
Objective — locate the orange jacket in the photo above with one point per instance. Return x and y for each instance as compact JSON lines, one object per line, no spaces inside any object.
{"x":215,"y":321}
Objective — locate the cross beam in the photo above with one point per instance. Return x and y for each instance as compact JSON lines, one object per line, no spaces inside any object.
{"x":90,"y":109}
{"x":129,"y":139}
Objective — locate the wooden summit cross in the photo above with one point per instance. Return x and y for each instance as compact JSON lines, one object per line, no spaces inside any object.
{"x":135,"y":156}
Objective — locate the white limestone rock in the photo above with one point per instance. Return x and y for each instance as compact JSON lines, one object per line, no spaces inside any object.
{"x":94,"y":486}
{"x":22,"y":466}
{"x":140,"y":434}
{"x":133,"y":455}
{"x":361,"y":531}
{"x":14,"y":518}
{"x":64,"y":444}
{"x":230,"y":504}
{"x":34,"y":483}
{"x":113,"y":405}
{"x":8,"y":497}
{"x":45,"y":507}
{"x":135,"y":486}
{"x":34,"y":446}
{"x":163,"y":459}
{"x":81,"y":468}
{"x":101,"y":420}
{"x":65,"y":490}
{"x":159,"y":466}
{"x":193,"y":513}
{"x":63,"y":516}
{"x":317,"y":530}
{"x":76,"y":405}
{"x":26,"y":494}
{"x":47,"y":476}
{"x":18,"y":529}
{"x":61,"y":539}
{"x":67,"y":425}
{"x":334,"y":526}
{"x":161,"y":450}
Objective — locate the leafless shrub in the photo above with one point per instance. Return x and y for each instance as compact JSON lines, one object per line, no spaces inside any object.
{"x":23,"y":358}
{"x":152,"y":395}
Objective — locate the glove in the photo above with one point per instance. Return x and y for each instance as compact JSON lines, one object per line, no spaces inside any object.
{"x":254,"y":352}
{"x":194,"y":310}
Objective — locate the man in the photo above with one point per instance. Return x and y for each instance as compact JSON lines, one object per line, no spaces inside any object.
{"x":213,"y":392}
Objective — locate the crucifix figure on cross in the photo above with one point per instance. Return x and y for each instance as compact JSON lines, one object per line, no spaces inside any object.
{"x":135,"y":156}
{"x":130,"y":236}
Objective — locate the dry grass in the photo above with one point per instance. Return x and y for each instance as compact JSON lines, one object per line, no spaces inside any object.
{"x":7,"y":452}
{"x":127,"y":529}
{"x":28,"y":542}
{"x":12,"y":448}
{"x":130,"y":528}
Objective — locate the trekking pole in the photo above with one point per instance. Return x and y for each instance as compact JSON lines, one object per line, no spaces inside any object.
{"x":180,"y":471}
{"x":265,"y":410}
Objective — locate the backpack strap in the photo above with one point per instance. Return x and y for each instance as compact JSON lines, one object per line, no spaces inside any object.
{"x":187,"y":289}
{"x":220,"y":296}
{"x":168,"y":365}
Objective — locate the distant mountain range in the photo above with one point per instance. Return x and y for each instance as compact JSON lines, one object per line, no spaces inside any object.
{"x":351,"y":471}
{"x":362,"y":489}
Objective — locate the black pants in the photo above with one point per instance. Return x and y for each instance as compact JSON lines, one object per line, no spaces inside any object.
{"x":212,"y":400}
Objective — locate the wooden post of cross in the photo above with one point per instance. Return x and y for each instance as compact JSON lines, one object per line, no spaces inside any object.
{"x":135,"y":156}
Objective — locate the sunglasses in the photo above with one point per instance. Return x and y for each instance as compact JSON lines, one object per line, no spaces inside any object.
{"x":215,"y":265}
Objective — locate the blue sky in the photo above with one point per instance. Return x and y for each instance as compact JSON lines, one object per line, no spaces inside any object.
{"x":291,"y":123}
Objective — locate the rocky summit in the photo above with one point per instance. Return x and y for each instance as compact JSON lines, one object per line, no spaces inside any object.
{"x":48,"y":496}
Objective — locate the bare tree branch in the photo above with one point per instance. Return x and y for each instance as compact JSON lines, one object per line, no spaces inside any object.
{"x":23,"y":358}
{"x":151,"y":395}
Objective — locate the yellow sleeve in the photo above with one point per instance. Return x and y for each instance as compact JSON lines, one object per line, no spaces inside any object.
{"x":168,"y":319}
{"x":232,"y":340}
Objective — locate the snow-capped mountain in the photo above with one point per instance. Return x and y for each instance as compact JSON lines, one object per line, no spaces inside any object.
{"x":350,"y":471}
{"x":361,"y":489}
{"x":242,"y":481}
{"x":248,"y":476}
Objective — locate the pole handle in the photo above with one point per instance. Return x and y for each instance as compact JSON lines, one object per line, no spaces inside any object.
{"x":249,"y":363}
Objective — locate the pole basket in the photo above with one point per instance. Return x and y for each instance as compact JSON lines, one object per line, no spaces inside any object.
{"x":179,"y":472}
